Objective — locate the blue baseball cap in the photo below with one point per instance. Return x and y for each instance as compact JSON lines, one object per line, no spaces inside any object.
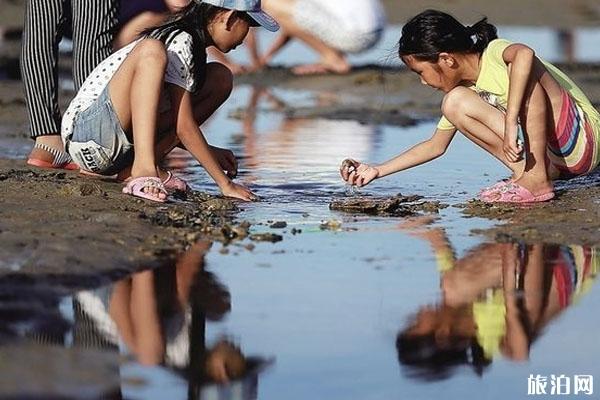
{"x":250,"y":7}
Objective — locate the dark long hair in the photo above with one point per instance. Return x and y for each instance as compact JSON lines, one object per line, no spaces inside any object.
{"x":192,"y":19}
{"x":432,"y":32}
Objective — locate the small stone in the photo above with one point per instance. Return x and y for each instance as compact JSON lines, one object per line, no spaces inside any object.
{"x":278,"y":225}
{"x":266,"y":237}
{"x":331,"y":225}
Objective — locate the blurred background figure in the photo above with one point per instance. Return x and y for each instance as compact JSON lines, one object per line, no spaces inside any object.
{"x":332,"y":28}
{"x":138,"y":15}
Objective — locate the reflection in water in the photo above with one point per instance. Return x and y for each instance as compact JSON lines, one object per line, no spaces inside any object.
{"x":497,"y":300}
{"x":298,"y":157}
{"x":158,"y":317}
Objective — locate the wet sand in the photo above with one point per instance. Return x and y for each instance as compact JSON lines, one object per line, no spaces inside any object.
{"x":572,"y":217}
{"x":60,"y":224}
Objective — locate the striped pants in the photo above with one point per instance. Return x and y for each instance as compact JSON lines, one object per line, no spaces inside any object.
{"x":93,"y":25}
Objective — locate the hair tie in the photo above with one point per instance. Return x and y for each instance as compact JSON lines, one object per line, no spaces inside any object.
{"x":470,"y":31}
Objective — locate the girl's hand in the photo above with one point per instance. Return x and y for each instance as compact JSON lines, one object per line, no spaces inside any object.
{"x":513,"y":145}
{"x":363,"y":175}
{"x":237,"y":191}
{"x":226,"y":160}
{"x":357,"y":173}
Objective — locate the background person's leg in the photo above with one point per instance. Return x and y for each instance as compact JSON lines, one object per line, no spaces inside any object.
{"x":94,"y":26}
{"x":331,"y":59}
{"x":42,"y":32}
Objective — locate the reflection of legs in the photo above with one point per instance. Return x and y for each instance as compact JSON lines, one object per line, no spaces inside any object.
{"x":135,"y":91}
{"x":134,"y":309}
{"x":515,"y":343}
{"x":331,"y":60}
{"x":480,"y":122}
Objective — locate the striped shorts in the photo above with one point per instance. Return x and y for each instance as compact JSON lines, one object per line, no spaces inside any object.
{"x":574,"y":148}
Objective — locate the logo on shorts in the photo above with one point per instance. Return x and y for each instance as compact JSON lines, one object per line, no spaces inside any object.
{"x":90,"y":155}
{"x":88,"y":159}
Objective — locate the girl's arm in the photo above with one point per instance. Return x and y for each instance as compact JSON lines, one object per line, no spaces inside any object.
{"x":419,"y":154}
{"x":176,"y":5}
{"x":193,"y":140}
{"x":521,"y":60}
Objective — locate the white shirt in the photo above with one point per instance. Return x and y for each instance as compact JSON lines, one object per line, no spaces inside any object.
{"x":362,"y":16}
{"x":178,"y":72}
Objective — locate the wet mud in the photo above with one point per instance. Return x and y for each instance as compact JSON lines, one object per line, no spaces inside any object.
{"x":573,"y":217}
{"x":59,"y":223}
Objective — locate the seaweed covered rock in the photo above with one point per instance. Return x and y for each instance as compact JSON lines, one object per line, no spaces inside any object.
{"x":398,"y":205}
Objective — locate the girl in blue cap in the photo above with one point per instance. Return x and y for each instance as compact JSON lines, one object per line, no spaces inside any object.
{"x":153,"y":94}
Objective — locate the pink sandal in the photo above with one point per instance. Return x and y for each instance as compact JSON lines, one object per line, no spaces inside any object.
{"x":173,"y":182}
{"x":135,"y":187}
{"x":514,"y":193}
{"x":484,"y":193}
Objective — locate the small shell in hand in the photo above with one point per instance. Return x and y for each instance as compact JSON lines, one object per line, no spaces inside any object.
{"x":349,"y":165}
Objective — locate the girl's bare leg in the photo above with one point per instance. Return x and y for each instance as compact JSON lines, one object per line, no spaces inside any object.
{"x":216,"y":90}
{"x":479,"y":122}
{"x":537,"y":121}
{"x":135,"y":91}
{"x":484,"y":125}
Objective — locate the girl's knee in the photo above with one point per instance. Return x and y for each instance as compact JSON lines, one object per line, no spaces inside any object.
{"x":221,"y":77}
{"x":454,"y":103}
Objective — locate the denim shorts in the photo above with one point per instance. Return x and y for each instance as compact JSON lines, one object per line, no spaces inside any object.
{"x":98,"y":143}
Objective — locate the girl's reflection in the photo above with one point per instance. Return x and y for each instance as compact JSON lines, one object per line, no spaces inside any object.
{"x":159,"y":316}
{"x":497,"y":299}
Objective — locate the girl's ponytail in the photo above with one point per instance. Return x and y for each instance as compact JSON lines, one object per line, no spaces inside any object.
{"x":482,"y":34}
{"x":432,"y":32}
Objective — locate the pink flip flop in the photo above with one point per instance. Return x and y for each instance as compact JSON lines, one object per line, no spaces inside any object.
{"x":135,"y":187}
{"x":515,"y":193}
{"x":173,"y":182}
{"x":494,"y":188}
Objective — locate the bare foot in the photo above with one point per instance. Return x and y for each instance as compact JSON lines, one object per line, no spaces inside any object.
{"x":322,"y":68}
{"x":536,"y":187}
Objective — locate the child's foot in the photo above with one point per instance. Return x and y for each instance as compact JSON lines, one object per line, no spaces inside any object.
{"x":146,"y":187}
{"x":337,"y":66}
{"x":515,"y":192}
{"x":170,"y":181}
